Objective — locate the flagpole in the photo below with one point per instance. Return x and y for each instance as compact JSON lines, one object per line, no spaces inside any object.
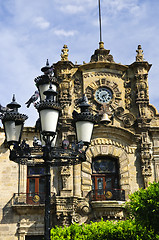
{"x":100,"y":21}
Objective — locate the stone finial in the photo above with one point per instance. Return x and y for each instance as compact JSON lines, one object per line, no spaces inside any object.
{"x":140,"y":55}
{"x":101,"y":45}
{"x":101,"y":54}
{"x":64,"y":54}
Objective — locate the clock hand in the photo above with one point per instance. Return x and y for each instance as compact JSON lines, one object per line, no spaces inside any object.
{"x":104,"y":96}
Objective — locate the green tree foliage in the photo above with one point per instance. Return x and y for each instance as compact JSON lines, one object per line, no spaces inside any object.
{"x":109,"y":230}
{"x":144,"y":207}
{"x":143,"y":222}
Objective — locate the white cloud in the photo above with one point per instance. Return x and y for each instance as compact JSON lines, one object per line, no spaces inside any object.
{"x":78,"y":6}
{"x":62,"y":32}
{"x":72,"y":9}
{"x":41,"y":23}
{"x":118,"y":5}
{"x":133,"y":7}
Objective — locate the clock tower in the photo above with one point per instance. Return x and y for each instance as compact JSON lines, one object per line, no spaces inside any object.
{"x":122,"y":157}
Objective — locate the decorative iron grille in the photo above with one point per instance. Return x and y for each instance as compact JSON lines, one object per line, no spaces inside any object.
{"x":108,"y":194}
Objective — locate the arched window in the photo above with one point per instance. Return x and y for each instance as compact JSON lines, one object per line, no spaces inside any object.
{"x":105,"y":177}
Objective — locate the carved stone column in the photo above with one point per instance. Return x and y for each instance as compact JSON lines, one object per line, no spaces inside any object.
{"x":146,"y":158}
{"x":21,"y":232}
{"x":21,"y":237}
{"x":22,"y":178}
{"x":77,"y":180}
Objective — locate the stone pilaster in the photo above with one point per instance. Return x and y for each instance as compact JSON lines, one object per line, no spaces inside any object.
{"x":77,"y":180}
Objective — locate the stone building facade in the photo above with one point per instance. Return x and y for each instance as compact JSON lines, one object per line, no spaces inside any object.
{"x":123,"y":155}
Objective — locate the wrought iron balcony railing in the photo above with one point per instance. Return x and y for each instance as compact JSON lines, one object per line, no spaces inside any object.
{"x":108,"y":194}
{"x":95,"y":195}
{"x":30,"y":198}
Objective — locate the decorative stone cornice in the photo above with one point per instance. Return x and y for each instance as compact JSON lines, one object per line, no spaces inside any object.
{"x":144,"y":64}
{"x":109,"y":65}
{"x":101,"y":74}
{"x":109,"y":209}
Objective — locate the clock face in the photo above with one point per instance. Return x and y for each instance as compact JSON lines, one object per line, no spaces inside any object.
{"x":103,"y":95}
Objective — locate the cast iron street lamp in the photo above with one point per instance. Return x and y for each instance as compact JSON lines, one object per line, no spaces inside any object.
{"x":49,"y":110}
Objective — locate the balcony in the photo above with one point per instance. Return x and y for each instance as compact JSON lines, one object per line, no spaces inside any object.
{"x":108,"y":195}
{"x":108,"y":204}
{"x":24,"y":203}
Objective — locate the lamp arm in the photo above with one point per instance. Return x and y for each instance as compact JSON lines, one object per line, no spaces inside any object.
{"x":55,"y":156}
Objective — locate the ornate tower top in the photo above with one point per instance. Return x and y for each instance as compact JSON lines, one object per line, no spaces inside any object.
{"x":101,"y":54}
{"x":140,"y":55}
{"x":64,"y":54}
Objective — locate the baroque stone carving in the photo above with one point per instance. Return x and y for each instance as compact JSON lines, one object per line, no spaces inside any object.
{"x":81,"y":213}
{"x":105,"y":141}
{"x":83,"y":207}
{"x":146,"y":157}
{"x":128,"y":98}
{"x":101,"y":55}
{"x":78,"y":86}
{"x":77,"y":218}
{"x":64,"y":54}
{"x":140,"y":55}
{"x":119,"y":112}
{"x":65,"y":88}
{"x":75,"y":210}
{"x":108,"y":214}
{"x":145,"y":113}
{"x":142,"y":87}
{"x":65,"y":173}
{"x":127,"y":86}
{"x":127,"y":118}
{"x":101,"y":74}
{"x":65,"y":93}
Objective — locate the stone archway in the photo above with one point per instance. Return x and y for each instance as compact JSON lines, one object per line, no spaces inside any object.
{"x":101,"y":147}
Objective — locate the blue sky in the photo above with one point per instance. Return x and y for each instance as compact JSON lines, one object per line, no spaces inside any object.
{"x":33,"y":30}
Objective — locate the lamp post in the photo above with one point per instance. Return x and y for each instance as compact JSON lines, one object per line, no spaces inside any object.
{"x":48,"y":109}
{"x":49,"y":113}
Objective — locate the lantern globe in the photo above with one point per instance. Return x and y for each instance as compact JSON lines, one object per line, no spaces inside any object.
{"x":84,"y":131}
{"x":48,"y":111}
{"x":49,"y":118}
{"x":84,"y":121}
{"x":13,"y":122}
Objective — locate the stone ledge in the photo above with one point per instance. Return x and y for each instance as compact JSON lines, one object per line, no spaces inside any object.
{"x":29,"y":209}
{"x":107,"y":204}
{"x":66,"y":193}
